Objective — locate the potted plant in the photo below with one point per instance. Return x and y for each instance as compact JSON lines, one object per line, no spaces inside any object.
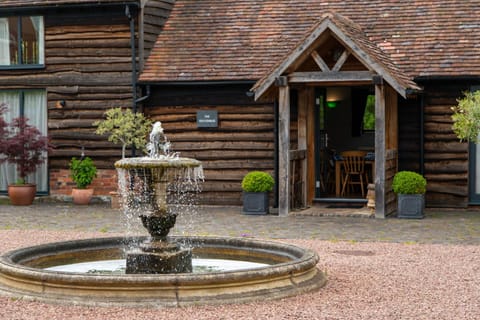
{"x":410,"y":188}
{"x":83,"y":171}
{"x":125,"y":127}
{"x":256,"y":186}
{"x":24,"y":146}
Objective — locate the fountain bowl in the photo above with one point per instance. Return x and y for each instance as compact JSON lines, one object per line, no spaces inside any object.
{"x":291,"y":270}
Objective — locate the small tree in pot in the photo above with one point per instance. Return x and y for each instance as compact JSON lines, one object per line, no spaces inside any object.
{"x":24,"y":146}
{"x":410,"y":188}
{"x":83,"y":171}
{"x":126,"y":128}
{"x":256,"y":186}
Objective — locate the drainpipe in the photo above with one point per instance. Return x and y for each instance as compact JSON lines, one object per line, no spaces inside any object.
{"x":422,"y":133}
{"x":146,"y":96}
{"x":275,"y":153}
{"x":134,"y":57}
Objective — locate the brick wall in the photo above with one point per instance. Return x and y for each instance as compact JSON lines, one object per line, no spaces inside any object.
{"x":62,"y":184}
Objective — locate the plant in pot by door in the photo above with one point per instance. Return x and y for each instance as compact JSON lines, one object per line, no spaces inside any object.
{"x":410,"y":188}
{"x":24,"y":146}
{"x":83,"y":171}
{"x":256,"y":186}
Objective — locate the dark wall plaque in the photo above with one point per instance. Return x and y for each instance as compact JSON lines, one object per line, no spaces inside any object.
{"x":207,"y":119}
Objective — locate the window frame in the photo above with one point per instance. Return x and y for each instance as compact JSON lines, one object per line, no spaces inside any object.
{"x":41,"y":52}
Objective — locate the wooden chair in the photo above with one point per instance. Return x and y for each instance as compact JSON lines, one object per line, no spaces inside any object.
{"x":354,"y":166}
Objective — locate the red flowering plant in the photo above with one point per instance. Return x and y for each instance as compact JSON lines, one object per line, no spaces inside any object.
{"x":25,"y":146}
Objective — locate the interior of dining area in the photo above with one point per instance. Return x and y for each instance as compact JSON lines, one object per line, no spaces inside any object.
{"x":344,"y":143}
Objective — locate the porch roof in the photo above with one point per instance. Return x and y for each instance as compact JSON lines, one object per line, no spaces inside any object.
{"x":354,"y":39}
{"x":213,"y":40}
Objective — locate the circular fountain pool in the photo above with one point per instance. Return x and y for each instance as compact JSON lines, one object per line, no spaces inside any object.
{"x":278,"y":270}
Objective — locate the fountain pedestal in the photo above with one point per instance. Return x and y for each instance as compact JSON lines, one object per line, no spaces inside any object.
{"x":157,"y":255}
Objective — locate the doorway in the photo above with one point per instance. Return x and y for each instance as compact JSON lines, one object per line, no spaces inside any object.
{"x":345,"y":121}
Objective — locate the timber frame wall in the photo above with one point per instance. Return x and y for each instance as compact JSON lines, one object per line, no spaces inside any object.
{"x":243,"y":141}
{"x":445,"y":157}
{"x":88,"y":64}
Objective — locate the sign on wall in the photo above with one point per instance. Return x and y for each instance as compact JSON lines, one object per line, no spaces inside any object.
{"x":207,"y":119}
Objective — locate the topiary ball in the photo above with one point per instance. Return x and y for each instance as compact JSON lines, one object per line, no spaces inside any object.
{"x":257,"y":181}
{"x":409,"y":182}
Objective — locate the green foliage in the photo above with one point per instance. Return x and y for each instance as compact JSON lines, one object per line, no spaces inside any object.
{"x":82,"y":171}
{"x":257,"y":181}
{"x":466,"y":117}
{"x":125,"y":127}
{"x":369,"y":114}
{"x":22,"y":144}
{"x":409,"y":182}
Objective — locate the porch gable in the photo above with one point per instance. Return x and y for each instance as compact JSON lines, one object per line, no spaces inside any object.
{"x":354,"y":43}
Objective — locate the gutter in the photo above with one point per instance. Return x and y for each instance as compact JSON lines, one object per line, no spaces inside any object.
{"x":447,"y":78}
{"x":196,"y":82}
{"x":38,"y":8}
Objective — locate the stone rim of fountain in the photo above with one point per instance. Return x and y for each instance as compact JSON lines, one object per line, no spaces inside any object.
{"x":288,"y":278}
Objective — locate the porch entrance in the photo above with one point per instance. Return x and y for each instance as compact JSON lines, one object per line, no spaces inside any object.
{"x":345,"y":122}
{"x":334,"y":53}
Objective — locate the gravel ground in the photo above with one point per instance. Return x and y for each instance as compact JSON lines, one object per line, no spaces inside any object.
{"x":365,"y":281}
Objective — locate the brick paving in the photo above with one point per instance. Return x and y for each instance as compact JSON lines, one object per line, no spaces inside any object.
{"x":438,"y":227}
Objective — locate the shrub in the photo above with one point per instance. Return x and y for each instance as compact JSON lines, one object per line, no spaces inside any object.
{"x":82,"y":171}
{"x":257,"y":181}
{"x":125,"y":127}
{"x":409,"y":182}
{"x":23,"y":145}
{"x":466,"y":117}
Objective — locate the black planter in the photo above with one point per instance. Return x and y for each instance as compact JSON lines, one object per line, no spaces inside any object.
{"x":255,"y":203}
{"x":410,"y":206}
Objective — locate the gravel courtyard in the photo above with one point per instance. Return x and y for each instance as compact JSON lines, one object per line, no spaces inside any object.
{"x":373,"y":271}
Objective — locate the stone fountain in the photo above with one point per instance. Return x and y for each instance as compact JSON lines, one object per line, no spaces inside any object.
{"x":152,"y":186}
{"x":158,"y":268}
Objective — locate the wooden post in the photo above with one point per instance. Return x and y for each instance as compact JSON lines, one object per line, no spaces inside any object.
{"x":283,"y":146}
{"x":305,"y":104}
{"x":380,"y":148}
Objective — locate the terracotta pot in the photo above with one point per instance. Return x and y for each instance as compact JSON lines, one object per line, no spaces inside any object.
{"x":22,"y":194}
{"x":82,"y":196}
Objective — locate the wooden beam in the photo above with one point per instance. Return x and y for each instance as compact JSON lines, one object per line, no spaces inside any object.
{"x":283,"y":150}
{"x":380,"y":152}
{"x":304,"y":104}
{"x":319,"y":61}
{"x":341,"y":61}
{"x":330,"y":76}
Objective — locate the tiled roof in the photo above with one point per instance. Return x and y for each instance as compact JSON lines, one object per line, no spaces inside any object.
{"x":244,"y":39}
{"x":372,"y":57}
{"x":44,"y":3}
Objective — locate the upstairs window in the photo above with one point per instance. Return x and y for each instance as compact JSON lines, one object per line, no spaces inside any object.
{"x":21,"y":42}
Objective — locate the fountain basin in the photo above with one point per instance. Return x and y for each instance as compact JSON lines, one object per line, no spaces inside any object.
{"x":291,"y":270}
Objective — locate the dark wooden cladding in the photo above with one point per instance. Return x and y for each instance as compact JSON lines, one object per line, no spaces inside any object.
{"x":243,"y":141}
{"x":446,"y":158}
{"x":101,"y":75}
{"x":409,"y":134}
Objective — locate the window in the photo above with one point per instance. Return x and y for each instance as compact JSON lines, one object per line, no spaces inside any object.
{"x":33,"y":105}
{"x":369,"y":114}
{"x":21,"y":42}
